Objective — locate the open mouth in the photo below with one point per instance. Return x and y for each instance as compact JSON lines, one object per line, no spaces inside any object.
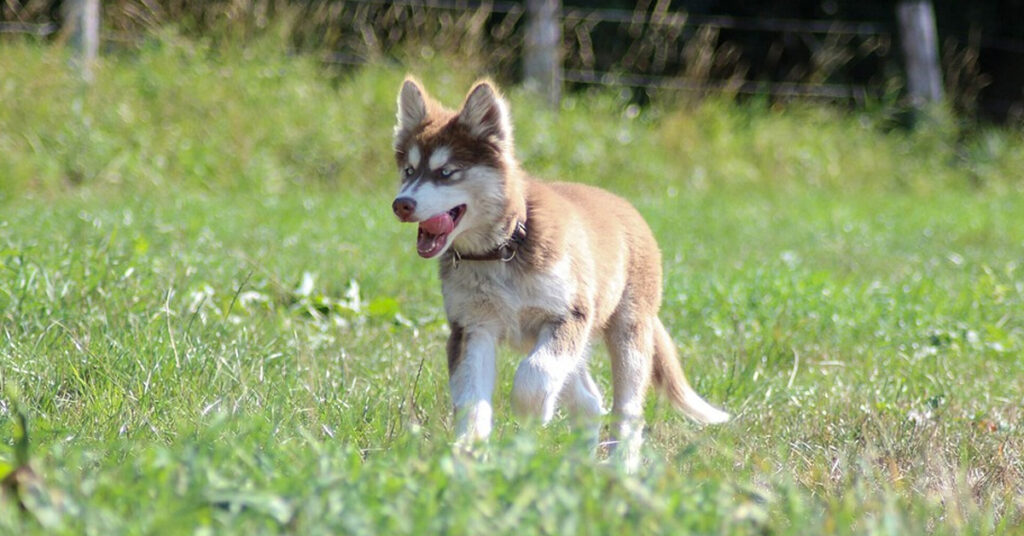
{"x":434,"y":231}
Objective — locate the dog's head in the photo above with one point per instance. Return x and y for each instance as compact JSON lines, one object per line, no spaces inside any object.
{"x":456,"y":169}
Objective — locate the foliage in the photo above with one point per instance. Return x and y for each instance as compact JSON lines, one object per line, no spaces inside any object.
{"x":215,"y":324}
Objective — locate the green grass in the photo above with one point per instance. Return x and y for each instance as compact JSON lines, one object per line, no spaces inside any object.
{"x":215,"y":325}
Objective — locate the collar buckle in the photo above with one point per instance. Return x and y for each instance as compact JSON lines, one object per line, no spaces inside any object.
{"x":507,"y":253}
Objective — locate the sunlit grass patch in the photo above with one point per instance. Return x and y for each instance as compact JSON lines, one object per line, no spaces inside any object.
{"x":214,"y":321}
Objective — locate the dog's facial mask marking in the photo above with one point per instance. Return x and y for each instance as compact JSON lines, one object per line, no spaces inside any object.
{"x":422,"y":197}
{"x":453,"y":167}
{"x":439,"y":158}
{"x":414,"y":156}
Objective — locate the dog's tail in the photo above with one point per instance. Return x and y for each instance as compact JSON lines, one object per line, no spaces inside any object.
{"x":668,"y":376}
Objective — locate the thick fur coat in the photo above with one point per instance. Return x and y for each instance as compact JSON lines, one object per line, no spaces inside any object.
{"x":545,"y":267}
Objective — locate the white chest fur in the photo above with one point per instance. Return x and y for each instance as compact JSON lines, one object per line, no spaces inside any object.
{"x":510,"y":303}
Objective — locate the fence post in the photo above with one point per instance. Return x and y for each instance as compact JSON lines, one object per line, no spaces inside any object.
{"x":542,"y":53}
{"x":920,"y":51}
{"x":83,"y":20}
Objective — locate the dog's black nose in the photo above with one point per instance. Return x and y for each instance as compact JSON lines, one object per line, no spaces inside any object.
{"x":404,"y":207}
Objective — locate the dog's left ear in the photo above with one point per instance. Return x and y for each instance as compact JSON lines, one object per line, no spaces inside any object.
{"x":485,"y":113}
{"x":412,"y":106}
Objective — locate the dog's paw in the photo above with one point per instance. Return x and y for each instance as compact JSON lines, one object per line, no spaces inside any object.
{"x":467,"y":453}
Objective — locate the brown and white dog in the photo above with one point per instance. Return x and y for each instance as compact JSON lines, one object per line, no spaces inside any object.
{"x":542,"y":266}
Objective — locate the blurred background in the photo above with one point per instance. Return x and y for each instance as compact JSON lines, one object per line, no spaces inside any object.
{"x":216,"y":323}
{"x":850,"y":52}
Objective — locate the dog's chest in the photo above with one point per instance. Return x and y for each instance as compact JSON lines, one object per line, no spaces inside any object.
{"x":509,"y":301}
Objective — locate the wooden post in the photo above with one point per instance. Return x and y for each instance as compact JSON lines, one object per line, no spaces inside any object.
{"x":82,"y":18}
{"x":542,"y":54}
{"x":920,"y":44}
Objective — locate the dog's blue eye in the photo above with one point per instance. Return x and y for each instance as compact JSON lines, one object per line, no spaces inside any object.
{"x":446,"y":172}
{"x":408,"y":171}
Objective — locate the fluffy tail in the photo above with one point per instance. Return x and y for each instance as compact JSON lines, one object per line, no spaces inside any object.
{"x":668,"y":376}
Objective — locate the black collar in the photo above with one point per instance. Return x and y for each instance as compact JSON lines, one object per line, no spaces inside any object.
{"x":504,"y":252}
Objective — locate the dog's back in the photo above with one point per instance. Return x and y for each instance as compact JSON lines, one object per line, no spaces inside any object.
{"x":608,"y":240}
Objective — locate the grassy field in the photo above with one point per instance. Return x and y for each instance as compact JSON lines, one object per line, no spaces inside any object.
{"x":213,"y":324}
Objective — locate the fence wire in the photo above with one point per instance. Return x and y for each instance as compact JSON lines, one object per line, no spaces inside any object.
{"x":651,"y":47}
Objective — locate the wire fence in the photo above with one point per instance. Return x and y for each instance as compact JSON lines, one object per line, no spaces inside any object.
{"x":652,"y":47}
{"x":39,"y":29}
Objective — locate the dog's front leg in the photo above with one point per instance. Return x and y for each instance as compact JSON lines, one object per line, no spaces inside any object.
{"x":471,"y":373}
{"x":542,"y":375}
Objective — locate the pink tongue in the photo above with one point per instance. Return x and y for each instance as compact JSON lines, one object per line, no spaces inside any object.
{"x":440,"y":224}
{"x":433,"y":233}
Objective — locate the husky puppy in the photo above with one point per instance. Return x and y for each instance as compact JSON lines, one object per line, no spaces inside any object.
{"x":542,"y":266}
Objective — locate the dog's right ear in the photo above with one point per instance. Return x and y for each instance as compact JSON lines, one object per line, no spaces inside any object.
{"x":412,"y":106}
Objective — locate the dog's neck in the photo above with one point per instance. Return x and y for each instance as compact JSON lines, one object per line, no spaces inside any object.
{"x":509,"y":232}
{"x":507,"y":250}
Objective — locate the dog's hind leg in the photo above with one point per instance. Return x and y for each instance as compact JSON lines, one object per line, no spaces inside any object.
{"x":471,"y":373}
{"x":541,"y":377}
{"x":630,"y":342}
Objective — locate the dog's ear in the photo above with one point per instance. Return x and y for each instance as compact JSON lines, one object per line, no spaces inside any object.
{"x":485,"y":113}
{"x":412,"y":107}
